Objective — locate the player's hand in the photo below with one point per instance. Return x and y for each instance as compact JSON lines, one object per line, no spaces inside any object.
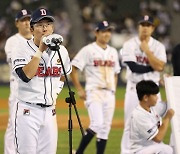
{"x":42,"y":45}
{"x":82,"y":94}
{"x":169,"y":114}
{"x":144,"y":46}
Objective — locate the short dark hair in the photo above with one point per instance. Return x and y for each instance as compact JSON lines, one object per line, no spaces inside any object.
{"x":146,"y":87}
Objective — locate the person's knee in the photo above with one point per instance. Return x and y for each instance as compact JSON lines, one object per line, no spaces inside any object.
{"x":166,"y":149}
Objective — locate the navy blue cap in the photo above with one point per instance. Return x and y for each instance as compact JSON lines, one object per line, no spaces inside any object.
{"x":104,"y":25}
{"x":146,"y":19}
{"x":23,"y":14}
{"x":40,"y":14}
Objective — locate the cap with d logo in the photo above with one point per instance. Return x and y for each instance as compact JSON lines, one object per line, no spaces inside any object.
{"x":40,"y":14}
{"x":22,"y":14}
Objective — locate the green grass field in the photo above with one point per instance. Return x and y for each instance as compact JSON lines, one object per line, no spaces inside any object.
{"x":113,"y":145}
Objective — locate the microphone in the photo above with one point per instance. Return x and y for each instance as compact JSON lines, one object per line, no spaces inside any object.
{"x":53,"y":40}
{"x":56,"y":40}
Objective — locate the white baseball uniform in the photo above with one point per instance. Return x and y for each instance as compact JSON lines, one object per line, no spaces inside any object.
{"x":35,"y":117}
{"x":144,"y":126}
{"x":11,"y":43}
{"x":100,"y":66}
{"x":131,"y":52}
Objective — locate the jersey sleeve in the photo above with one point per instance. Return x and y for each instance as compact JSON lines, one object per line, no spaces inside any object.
{"x":80,"y":59}
{"x":162,"y":53}
{"x":20,"y":56}
{"x":145,"y":127}
{"x":8,"y":48}
{"x":66,"y":60}
{"x":127,"y":52}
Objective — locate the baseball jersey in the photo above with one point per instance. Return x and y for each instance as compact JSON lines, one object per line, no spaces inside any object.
{"x":11,"y":43}
{"x":45,"y":86}
{"x":100,"y":66}
{"x":143,"y":127}
{"x":131,"y":52}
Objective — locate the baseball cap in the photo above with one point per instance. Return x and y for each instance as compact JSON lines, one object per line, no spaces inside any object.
{"x":104,"y":25}
{"x":22,"y":14}
{"x":40,"y":14}
{"x":146,"y":19}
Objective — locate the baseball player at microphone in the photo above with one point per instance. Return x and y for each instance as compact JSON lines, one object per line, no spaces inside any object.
{"x":38,"y":70}
{"x":145,"y":58}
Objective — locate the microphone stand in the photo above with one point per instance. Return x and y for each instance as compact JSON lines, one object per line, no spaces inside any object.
{"x":71,"y":99}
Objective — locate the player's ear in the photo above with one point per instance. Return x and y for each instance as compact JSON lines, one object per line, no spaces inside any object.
{"x":145,"y":98}
{"x":32,"y":29}
{"x":16,"y":24}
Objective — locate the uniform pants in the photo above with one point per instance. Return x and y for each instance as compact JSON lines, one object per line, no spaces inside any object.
{"x":35,"y":129}
{"x":159,"y":148}
{"x":100,"y":105}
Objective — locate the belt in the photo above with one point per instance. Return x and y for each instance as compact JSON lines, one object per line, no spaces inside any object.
{"x":39,"y":104}
{"x":106,"y":89}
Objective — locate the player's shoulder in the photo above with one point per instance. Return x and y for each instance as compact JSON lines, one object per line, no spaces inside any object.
{"x":88,"y":48}
{"x":12,"y":38}
{"x":138,"y":112}
{"x":157,"y":42}
{"x":131,"y":41}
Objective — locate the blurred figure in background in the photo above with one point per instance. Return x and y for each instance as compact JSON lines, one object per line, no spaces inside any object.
{"x":22,"y":22}
{"x":145,"y":58}
{"x":101,"y":65}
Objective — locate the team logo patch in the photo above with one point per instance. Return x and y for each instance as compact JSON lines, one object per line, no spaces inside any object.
{"x":26,"y":112}
{"x":53,"y":112}
{"x":58,"y":61}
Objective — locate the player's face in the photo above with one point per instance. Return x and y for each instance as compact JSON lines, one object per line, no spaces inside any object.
{"x":103,"y":36}
{"x":42,"y":28}
{"x":152,"y":99}
{"x":145,"y":29}
{"x":23,"y":25}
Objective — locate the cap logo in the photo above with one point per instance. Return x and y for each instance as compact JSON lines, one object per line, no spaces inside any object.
{"x":43,"y":12}
{"x":146,"y":18}
{"x":105,"y":23}
{"x":24,"y":12}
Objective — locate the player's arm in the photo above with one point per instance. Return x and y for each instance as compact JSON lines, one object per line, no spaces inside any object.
{"x":30,"y":69}
{"x":156,"y":64}
{"x":76,"y":82}
{"x":137,"y":68}
{"x":116,"y":79}
{"x":164,"y":127}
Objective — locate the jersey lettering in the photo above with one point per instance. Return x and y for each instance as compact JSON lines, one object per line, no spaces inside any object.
{"x":54,"y":72}
{"x":104,"y":63}
{"x":142,"y":59}
{"x":43,"y":12}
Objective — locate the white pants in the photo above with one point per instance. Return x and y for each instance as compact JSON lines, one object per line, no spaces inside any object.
{"x":100,"y":105}
{"x":35,"y":129}
{"x":159,"y":148}
{"x":9,"y":147}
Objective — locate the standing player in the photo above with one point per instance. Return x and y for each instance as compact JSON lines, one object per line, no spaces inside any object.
{"x":101,"y":65}
{"x":22,"y":22}
{"x":38,"y":70}
{"x":145,"y":58}
{"x":147,"y":129}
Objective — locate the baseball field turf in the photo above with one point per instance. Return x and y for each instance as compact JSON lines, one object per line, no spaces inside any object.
{"x":113,"y":145}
